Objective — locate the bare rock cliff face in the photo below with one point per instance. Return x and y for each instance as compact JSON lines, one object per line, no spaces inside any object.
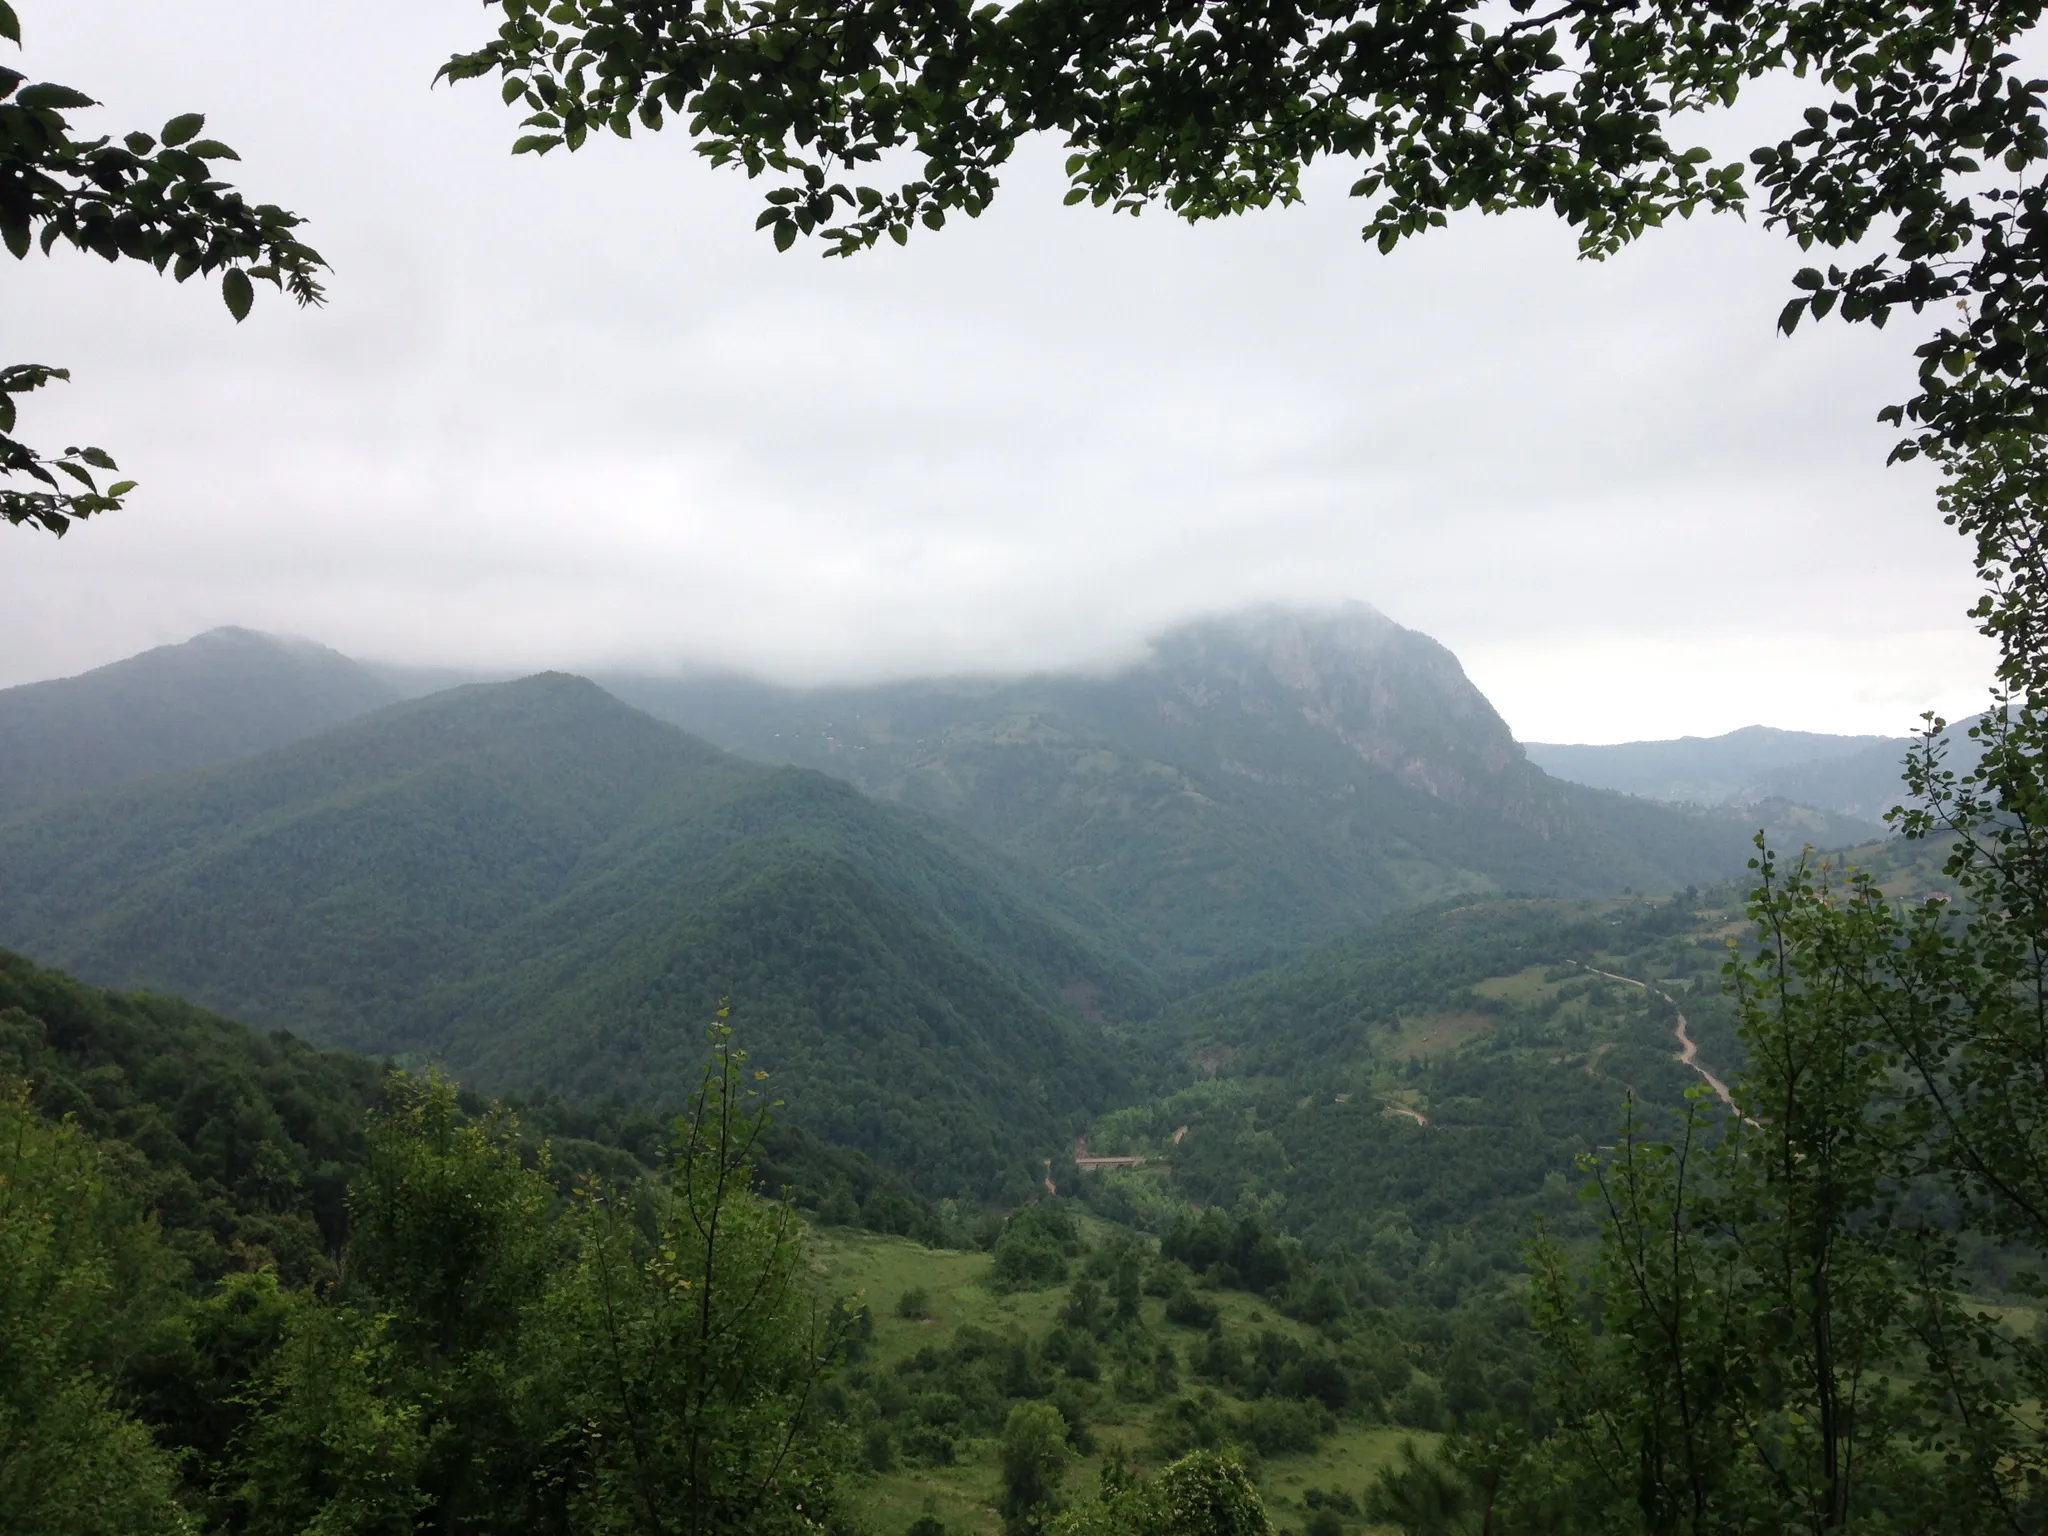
{"x":1394,"y":697}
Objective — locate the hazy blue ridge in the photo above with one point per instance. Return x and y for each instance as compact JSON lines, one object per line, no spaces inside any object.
{"x":1705,"y":770}
{"x":220,"y":696}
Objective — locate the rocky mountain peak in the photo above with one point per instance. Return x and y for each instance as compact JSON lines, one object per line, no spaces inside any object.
{"x":1395,"y":697}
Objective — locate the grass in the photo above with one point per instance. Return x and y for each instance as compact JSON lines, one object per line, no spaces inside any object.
{"x":1345,"y":1461}
{"x":1434,"y":1034}
{"x":1524,"y":987}
{"x":880,"y":1269}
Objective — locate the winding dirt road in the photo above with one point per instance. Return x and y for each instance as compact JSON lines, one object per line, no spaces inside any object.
{"x":1688,"y":1053}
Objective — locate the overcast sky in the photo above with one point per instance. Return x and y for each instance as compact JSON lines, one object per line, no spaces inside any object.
{"x":576,"y":413}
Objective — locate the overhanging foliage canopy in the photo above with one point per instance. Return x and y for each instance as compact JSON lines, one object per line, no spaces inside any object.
{"x":1923,"y":157}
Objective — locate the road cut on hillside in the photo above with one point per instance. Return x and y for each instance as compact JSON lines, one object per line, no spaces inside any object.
{"x":1688,"y":1053}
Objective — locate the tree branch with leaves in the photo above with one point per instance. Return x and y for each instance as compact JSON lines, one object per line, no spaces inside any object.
{"x":152,"y":198}
{"x":1922,"y":159}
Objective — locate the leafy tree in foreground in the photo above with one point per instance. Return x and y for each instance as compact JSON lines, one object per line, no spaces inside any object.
{"x":1202,"y":1494}
{"x":643,"y":1363}
{"x":151,"y":198}
{"x":1033,"y":1452}
{"x":1785,"y":1330}
{"x":1921,"y":154}
{"x":1782,"y":1342}
{"x":82,"y":1284}
{"x":688,"y":1364}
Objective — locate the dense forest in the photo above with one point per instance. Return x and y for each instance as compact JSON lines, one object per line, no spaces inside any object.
{"x":539,"y":887}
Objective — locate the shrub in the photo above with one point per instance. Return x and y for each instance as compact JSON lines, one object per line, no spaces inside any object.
{"x":877,"y":1451}
{"x":1033,"y":1250}
{"x":1198,"y":1422}
{"x":1420,"y":1405}
{"x":1187,"y":1310}
{"x":1201,"y":1494}
{"x":1275,"y":1427}
{"x":1318,"y":1377}
{"x":1034,"y":1460}
{"x":929,"y":1445}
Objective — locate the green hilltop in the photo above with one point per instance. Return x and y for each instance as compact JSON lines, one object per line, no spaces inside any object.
{"x":540,"y":886}
{"x":217,"y":697}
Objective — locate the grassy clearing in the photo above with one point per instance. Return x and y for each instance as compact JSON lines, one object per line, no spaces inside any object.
{"x":878,"y":1270}
{"x":1525,"y":987}
{"x":1345,"y":1462}
{"x":1434,"y":1034}
{"x":963,"y":1496}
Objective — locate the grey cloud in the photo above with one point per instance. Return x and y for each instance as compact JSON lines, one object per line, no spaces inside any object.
{"x":576,"y":413}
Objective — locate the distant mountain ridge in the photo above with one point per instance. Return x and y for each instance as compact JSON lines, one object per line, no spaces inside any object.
{"x":1260,"y":782}
{"x":537,"y":884}
{"x":1705,"y":770}
{"x":1854,"y":776}
{"x":217,"y":697}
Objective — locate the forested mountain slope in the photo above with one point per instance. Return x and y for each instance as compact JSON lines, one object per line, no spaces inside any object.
{"x":1257,"y":784}
{"x":539,"y":885}
{"x":1418,"y":1092}
{"x":222,"y":695}
{"x":242,"y":1144}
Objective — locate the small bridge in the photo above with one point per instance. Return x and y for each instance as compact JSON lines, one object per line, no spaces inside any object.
{"x":1084,"y":1162}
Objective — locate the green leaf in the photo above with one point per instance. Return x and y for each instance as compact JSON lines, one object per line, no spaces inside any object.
{"x":211,"y":149}
{"x":179,"y":129}
{"x":10,"y":24}
{"x":785,"y":234}
{"x":139,"y":143}
{"x":235,"y":288}
{"x":59,"y":97}
{"x":120,"y":488}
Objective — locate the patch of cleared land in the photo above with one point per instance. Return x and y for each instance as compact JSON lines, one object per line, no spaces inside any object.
{"x":880,"y":1269}
{"x":1433,"y":1034}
